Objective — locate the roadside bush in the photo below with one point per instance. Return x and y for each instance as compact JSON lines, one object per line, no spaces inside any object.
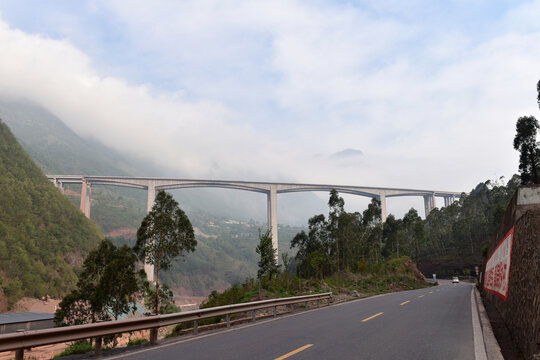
{"x":80,"y":347}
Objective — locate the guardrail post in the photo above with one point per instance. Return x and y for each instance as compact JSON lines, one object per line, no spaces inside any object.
{"x":252,"y":315}
{"x":318,"y":303}
{"x":195,"y":327}
{"x":228,"y":320}
{"x":99,"y":343}
{"x":19,"y":353}
{"x":275,"y":311}
{"x":153,"y":335}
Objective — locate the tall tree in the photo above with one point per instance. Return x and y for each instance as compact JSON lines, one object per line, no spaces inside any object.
{"x":538,"y":91}
{"x":313,"y":248}
{"x":391,"y":235}
{"x":267,"y":263}
{"x":118,"y":284}
{"x":414,"y":229}
{"x":525,"y":143}
{"x":106,"y":288}
{"x":336,"y":204}
{"x":165,"y":233}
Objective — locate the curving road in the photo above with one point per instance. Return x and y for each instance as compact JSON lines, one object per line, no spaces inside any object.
{"x":434,"y":323}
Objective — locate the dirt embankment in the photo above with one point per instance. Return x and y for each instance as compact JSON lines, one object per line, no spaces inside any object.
{"x":3,"y":301}
{"x":36,"y":305}
{"x":126,"y":233}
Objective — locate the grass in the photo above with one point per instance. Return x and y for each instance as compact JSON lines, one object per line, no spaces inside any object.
{"x":81,"y":347}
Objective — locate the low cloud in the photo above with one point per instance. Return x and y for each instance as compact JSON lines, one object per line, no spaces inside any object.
{"x":255,"y":89}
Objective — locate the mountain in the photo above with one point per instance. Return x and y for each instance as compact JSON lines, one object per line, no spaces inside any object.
{"x":59,"y":150}
{"x":227,"y":221}
{"x":43,"y":236}
{"x":53,"y":146}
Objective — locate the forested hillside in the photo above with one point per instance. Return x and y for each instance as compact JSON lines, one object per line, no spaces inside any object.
{"x":456,"y":235}
{"x":43,"y":236}
{"x":450,"y":241}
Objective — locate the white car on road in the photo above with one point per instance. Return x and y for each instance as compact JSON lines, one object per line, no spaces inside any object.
{"x":455,"y":280}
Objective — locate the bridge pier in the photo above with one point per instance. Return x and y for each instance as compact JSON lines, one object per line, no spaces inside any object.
{"x":447,"y":201}
{"x":272,"y":218}
{"x":429,"y":203}
{"x":58,"y":184}
{"x":85,"y":198}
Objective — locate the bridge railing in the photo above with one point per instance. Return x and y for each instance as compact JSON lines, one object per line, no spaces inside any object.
{"x":20,"y":341}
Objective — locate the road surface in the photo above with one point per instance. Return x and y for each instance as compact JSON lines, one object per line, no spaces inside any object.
{"x":432,"y":323}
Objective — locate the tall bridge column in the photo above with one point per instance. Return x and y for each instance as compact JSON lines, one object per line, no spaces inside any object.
{"x":85,"y":198}
{"x":149,"y":268}
{"x":58,"y":184}
{"x":272,"y":218}
{"x":429,"y":203}
{"x":448,"y":201}
{"x":382,"y":199}
{"x":87,"y":201}
{"x":83,"y":195}
{"x":151,"y":196}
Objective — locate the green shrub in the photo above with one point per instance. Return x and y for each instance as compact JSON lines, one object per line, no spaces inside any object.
{"x":80,"y":347}
{"x":133,"y":342}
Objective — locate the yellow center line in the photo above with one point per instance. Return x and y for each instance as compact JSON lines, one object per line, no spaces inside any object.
{"x":403,"y":303}
{"x":421,"y":296}
{"x":294,"y":352}
{"x":371,"y":317}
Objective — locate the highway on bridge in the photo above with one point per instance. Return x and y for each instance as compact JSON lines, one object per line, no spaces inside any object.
{"x":431,"y":323}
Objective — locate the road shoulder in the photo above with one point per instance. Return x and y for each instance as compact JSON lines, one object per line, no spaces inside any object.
{"x":486,"y":339}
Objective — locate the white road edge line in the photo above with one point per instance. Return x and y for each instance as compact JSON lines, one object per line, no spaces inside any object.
{"x":478,"y":337}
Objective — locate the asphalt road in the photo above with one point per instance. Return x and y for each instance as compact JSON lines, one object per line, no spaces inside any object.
{"x":434,"y":323}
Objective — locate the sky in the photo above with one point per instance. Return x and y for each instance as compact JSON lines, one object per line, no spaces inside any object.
{"x":409,"y":94}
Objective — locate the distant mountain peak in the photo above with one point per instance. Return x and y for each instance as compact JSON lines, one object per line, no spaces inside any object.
{"x":347,"y":153}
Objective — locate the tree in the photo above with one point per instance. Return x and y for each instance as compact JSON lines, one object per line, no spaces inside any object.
{"x":372,"y":220}
{"x":538,"y":91}
{"x":372,"y":215}
{"x":414,"y":228}
{"x":106,"y":288}
{"x":165,"y":233}
{"x":267,"y":263}
{"x":286,"y":260}
{"x":391,"y":234}
{"x":336,"y":204}
{"x":118,"y":284}
{"x":525,"y":143}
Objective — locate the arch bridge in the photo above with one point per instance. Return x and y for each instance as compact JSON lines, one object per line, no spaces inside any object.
{"x":271,"y":189}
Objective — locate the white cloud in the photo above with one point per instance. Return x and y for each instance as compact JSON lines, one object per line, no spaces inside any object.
{"x":261,"y":87}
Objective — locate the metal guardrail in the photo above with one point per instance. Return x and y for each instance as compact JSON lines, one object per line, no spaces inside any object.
{"x":27,"y":339}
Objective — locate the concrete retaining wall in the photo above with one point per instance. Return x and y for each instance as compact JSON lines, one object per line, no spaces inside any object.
{"x":521,"y":310}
